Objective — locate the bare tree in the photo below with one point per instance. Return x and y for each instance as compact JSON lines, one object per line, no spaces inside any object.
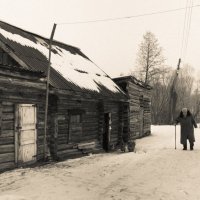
{"x":160,"y":95}
{"x":184,"y":87}
{"x":195,"y":101}
{"x":149,"y":58}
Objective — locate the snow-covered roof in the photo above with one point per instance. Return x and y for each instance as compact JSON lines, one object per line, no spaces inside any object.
{"x":133,"y":80}
{"x":71,"y":68}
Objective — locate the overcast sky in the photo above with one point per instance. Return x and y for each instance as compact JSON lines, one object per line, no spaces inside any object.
{"x":111,"y":45}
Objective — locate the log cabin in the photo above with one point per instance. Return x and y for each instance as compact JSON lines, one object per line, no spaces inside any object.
{"x":21,"y":94}
{"x":139,"y":107}
{"x":86,"y":110}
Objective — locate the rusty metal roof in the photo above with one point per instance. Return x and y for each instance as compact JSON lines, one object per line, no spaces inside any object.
{"x":35,"y":60}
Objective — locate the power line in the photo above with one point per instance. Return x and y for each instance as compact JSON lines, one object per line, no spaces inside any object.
{"x":186,"y":28}
{"x":126,"y":17}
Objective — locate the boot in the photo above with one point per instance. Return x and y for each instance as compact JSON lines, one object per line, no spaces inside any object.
{"x":185,"y":147}
{"x":191,"y":146}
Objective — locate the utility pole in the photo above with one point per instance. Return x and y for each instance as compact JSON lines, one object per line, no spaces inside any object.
{"x":173,"y":95}
{"x":47,"y":93}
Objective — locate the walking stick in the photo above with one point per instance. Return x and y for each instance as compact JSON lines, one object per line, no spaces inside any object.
{"x":175,"y":136}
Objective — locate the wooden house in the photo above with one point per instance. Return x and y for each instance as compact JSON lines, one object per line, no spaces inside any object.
{"x":86,"y":108}
{"x":21,"y":94}
{"x":139,"y":112}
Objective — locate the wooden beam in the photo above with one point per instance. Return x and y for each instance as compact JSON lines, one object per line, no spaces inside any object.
{"x":47,"y":92}
{"x":16,"y":133}
{"x":13,"y":55}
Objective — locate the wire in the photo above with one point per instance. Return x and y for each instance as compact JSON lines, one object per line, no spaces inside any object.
{"x":186,"y":29}
{"x":126,"y":17}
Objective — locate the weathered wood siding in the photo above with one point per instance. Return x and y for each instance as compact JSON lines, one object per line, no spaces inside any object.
{"x":70,"y":139}
{"x":69,"y":136}
{"x":17,"y":90}
{"x":7,"y":147}
{"x":75,"y":120}
{"x":138,"y":113}
{"x":147,"y":112}
{"x":7,"y":134}
{"x":113,"y":108}
{"x":139,"y":110}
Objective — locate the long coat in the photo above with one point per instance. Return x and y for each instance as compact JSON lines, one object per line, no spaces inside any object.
{"x":187,"y":128}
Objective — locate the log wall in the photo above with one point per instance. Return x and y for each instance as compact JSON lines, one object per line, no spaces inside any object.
{"x":13,"y":91}
{"x":7,"y":132}
{"x":114,"y":109}
{"x":70,"y":139}
{"x":140,"y":116}
{"x":64,"y":139}
{"x":69,"y":136}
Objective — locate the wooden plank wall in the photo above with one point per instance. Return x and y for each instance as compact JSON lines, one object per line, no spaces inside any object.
{"x":7,"y":133}
{"x":10,"y":96}
{"x":7,"y":148}
{"x":40,"y":131}
{"x":113,"y":108}
{"x":126,"y":122}
{"x":100,"y":122}
{"x":147,"y":112}
{"x":135,"y":92}
{"x":90,"y":124}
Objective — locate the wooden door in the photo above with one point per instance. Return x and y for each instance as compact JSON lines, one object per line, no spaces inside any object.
{"x":27,"y":133}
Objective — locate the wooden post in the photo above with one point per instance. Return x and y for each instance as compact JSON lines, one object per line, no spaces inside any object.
{"x":47,"y":92}
{"x":16,"y":131}
{"x":121,"y":122}
{"x":175,"y":136}
{"x":100,"y":121}
{"x":173,"y":95}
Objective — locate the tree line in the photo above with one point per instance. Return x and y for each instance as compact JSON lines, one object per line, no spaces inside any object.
{"x":152,"y":70}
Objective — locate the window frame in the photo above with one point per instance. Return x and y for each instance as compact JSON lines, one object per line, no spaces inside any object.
{"x":75,"y":123}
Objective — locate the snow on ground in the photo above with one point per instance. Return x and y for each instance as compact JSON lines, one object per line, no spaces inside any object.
{"x":155,"y":172}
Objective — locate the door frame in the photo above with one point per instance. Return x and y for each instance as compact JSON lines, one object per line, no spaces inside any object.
{"x":107,"y":131}
{"x":17,"y":133}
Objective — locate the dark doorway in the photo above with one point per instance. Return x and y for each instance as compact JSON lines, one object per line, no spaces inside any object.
{"x":107,"y":129}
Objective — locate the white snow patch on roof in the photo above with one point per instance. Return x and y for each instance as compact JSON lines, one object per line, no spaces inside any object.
{"x":73,"y":67}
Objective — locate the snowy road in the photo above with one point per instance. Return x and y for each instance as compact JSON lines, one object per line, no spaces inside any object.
{"x":155,"y":172}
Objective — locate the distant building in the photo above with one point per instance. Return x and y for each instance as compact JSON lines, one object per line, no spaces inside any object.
{"x":139,"y":111}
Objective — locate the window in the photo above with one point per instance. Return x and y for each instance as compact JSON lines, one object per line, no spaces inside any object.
{"x":123,"y":86}
{"x":75,"y":118}
{"x":75,"y":126}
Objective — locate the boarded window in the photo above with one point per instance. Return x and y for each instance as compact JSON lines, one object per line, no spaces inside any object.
{"x":75,"y":118}
{"x":75,"y":128}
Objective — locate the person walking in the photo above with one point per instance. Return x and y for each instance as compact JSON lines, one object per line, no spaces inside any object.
{"x":187,"y":123}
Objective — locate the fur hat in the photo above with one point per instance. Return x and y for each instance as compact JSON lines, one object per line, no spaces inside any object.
{"x":184,"y":109}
